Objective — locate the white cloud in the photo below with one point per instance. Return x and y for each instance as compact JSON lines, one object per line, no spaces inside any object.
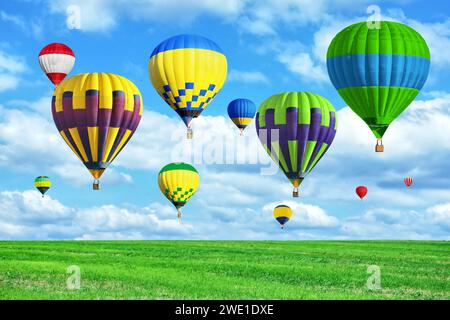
{"x":29,"y":207}
{"x":303,"y":65}
{"x":103,"y":15}
{"x":26,"y":215}
{"x":397,"y":224}
{"x":439,"y":214}
{"x":11,"y":67}
{"x":246,"y":76}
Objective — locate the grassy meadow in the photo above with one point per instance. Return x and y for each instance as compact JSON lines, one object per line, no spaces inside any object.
{"x":224,"y":269}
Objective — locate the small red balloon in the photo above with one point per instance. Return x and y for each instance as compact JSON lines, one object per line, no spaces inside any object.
{"x":408,"y":181}
{"x":361,"y":191}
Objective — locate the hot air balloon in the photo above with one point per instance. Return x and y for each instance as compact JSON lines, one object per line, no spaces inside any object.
{"x":408,"y":181}
{"x":42,"y":183}
{"x":241,"y":112}
{"x":361,"y":191}
{"x":56,"y":60}
{"x":178,"y":182}
{"x":282,"y":214}
{"x":296,"y":129}
{"x":187,"y":71}
{"x":96,"y":114}
{"x":379,"y":71}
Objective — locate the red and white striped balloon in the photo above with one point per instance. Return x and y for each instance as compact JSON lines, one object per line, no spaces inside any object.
{"x":56,"y":60}
{"x":408,"y":181}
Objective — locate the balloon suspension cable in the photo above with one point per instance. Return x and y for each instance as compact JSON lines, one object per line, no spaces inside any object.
{"x":379,"y":146}
{"x":295,"y":192}
{"x":179,"y":215}
{"x":96,"y":185}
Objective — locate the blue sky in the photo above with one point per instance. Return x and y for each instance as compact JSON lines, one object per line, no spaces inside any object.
{"x":271,"y":47}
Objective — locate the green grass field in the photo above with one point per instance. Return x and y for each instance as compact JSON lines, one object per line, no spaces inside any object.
{"x":224,"y":269}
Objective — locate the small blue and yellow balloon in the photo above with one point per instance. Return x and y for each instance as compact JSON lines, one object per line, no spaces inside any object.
{"x":187,"y":71}
{"x":241,"y":112}
{"x":282,"y":214}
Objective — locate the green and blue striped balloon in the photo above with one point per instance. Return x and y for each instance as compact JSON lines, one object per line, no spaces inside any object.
{"x":378,"y":71}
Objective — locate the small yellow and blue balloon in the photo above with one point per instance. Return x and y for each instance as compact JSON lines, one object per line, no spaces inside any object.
{"x":241,"y":112}
{"x":42,"y":183}
{"x":282,"y":214}
{"x":178,"y":182}
{"x":187,"y":71}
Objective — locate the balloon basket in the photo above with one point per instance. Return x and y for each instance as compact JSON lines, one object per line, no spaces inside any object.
{"x":96,"y":185}
{"x":379,"y":146}
{"x":295,"y":193}
{"x":242,"y":132}
{"x":282,"y":227}
{"x":189,"y":133}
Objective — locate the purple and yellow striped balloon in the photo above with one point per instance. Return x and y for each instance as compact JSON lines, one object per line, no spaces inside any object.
{"x":96,"y":114}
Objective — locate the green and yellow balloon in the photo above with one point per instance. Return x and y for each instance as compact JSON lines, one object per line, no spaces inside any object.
{"x":378,"y":71}
{"x":42,"y":183}
{"x":178,"y":182}
{"x":296,"y":129}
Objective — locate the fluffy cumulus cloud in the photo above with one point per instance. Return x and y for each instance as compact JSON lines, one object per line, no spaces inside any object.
{"x":399,"y":224}
{"x":26,"y":215}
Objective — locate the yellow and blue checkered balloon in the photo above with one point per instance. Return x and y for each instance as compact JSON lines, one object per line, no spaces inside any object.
{"x":187,"y":71}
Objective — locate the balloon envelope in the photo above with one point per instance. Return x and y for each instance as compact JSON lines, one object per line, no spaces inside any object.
{"x":96,"y":114}
{"x":42,"y":183}
{"x":241,"y":112}
{"x":296,"y":129}
{"x":379,"y":71}
{"x":178,"y":182}
{"x":187,"y":71}
{"x":408,"y":181}
{"x":361,"y":191}
{"x":56,"y":60}
{"x":282,"y":214}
